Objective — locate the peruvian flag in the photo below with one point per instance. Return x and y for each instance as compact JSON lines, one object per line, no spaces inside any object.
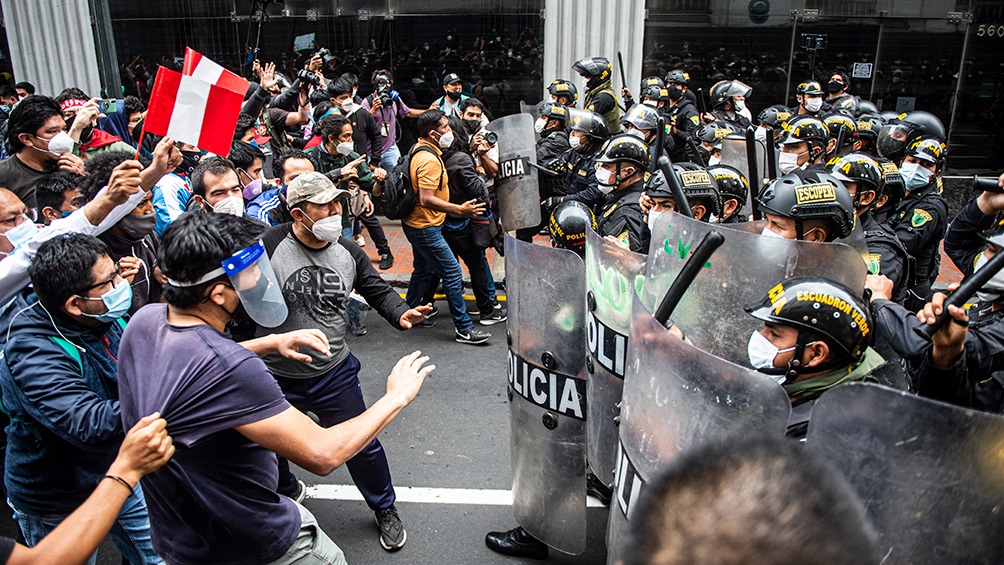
{"x":207,"y":70}
{"x":193,"y":111}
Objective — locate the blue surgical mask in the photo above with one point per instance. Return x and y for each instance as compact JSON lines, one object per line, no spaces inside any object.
{"x":22,"y":233}
{"x":915,"y":176}
{"x":117,"y":300}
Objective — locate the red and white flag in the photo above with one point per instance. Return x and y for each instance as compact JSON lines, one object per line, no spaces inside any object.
{"x":193,"y":111}
{"x":203,"y":68}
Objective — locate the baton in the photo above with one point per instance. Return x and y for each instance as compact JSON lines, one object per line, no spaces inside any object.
{"x":697,"y":154}
{"x":544,"y":170}
{"x":709,"y":244}
{"x":840,"y":143}
{"x":751,"y":164}
{"x":679,"y":197}
{"x":620,"y":61}
{"x":771,"y":157}
{"x":970,"y":285}
{"x":660,"y":138}
{"x":700,"y":102}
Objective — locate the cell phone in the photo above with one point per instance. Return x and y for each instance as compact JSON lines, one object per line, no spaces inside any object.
{"x":108,"y":106}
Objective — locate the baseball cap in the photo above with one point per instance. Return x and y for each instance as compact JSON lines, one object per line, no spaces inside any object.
{"x":451,"y":78}
{"x":312,"y":187}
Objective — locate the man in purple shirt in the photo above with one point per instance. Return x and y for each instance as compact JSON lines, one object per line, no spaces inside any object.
{"x":215,"y":501}
{"x":387,"y":114}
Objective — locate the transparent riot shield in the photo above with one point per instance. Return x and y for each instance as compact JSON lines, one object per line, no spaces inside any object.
{"x":734,"y":155}
{"x":739,"y":274}
{"x":930,"y":475}
{"x":856,"y":239}
{"x":547,"y":392}
{"x":516,"y":183}
{"x":677,"y":397}
{"x":611,"y":273}
{"x":532,"y":109}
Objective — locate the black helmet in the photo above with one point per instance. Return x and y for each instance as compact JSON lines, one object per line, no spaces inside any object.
{"x":808,"y":195}
{"x":595,"y":68}
{"x":901,"y":131}
{"x":554,"y":111}
{"x":699,"y":184}
{"x":810,"y":87}
{"x":624,"y":148}
{"x":858,"y":168}
{"x":892,"y":182}
{"x":714,"y":132}
{"x":642,"y":117}
{"x":774,"y":116}
{"x":651,"y":81}
{"x":868,"y":127}
{"x":808,"y":129}
{"x":589,"y":123}
{"x":928,"y":149}
{"x":731,"y":184}
{"x":724,"y":90}
{"x":655,"y":92}
{"x":837,"y":123}
{"x":822,"y":307}
{"x":568,"y":223}
{"x":867,"y":107}
{"x":561,"y":87}
{"x":678,"y":76}
{"x":848,"y":104}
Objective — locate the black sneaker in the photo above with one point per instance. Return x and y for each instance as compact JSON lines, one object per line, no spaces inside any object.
{"x":472,"y":336}
{"x":386,"y":261}
{"x":433,"y":313}
{"x":595,"y":487}
{"x":499,"y":314}
{"x":300,"y":493}
{"x":392,"y":534}
{"x":426,"y":323}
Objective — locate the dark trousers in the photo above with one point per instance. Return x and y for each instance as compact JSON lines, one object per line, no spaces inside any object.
{"x":477,"y":266}
{"x":336,"y":397}
{"x":373,"y":226}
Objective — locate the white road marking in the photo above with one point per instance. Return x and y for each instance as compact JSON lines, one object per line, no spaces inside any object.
{"x":428,"y":495}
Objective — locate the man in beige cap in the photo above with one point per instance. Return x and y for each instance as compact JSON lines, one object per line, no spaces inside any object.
{"x":317,"y":269}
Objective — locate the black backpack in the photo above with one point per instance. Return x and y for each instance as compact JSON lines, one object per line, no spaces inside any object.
{"x":399,"y":195}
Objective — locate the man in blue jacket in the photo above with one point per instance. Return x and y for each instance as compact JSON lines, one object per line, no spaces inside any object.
{"x":59,"y":384}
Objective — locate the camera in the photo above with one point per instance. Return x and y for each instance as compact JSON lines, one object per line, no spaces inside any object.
{"x":308,"y":77}
{"x":986,"y":184}
{"x":813,"y":42}
{"x":325,"y":54}
{"x":491,"y":137}
{"x":386,"y":94}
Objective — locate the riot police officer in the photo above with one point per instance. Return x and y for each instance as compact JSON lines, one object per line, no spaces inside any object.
{"x":804,"y":146}
{"x":921,"y":218}
{"x":700,"y":188}
{"x":842,"y":129}
{"x":648,"y":85}
{"x":682,"y":115}
{"x":587,"y":131}
{"x":774,"y":117}
{"x":563,"y":92}
{"x":680,"y":79}
{"x":728,"y":101}
{"x":567,"y":226}
{"x":620,"y":174}
{"x":807,"y":205}
{"x":734,"y":190}
{"x":642,"y":122}
{"x":810,"y":100}
{"x":599,"y":96}
{"x":709,"y":137}
{"x":817,"y":335}
{"x":551,"y":128}
{"x":866,"y":130}
{"x":900,"y":131}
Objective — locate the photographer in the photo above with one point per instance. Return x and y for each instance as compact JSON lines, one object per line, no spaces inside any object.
{"x":386,"y":106}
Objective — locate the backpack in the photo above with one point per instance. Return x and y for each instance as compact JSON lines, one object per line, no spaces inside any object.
{"x":399,"y":194}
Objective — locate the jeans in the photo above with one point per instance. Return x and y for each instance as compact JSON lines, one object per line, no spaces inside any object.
{"x":130,"y":533}
{"x":336,"y":397}
{"x":477,"y":265}
{"x":312,"y":546}
{"x":433,"y":257}
{"x":390,"y":157}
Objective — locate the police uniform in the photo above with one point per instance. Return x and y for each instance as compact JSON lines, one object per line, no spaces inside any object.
{"x":552,"y":145}
{"x":887,"y":256}
{"x":919,"y":222}
{"x":582,"y":185}
{"x":621,"y":216}
{"x":736,"y":119}
{"x":603,"y":101}
{"x":688,"y":119}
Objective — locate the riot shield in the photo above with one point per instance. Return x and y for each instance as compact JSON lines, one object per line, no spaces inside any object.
{"x":734,"y":155}
{"x":741,"y":272}
{"x":611,"y":273}
{"x":856,"y":239}
{"x":677,"y":397}
{"x":929,"y":474}
{"x":516,"y":183}
{"x":532,"y":109}
{"x":547,"y":392}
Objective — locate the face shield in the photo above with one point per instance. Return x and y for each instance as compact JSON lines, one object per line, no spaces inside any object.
{"x":892,"y":140}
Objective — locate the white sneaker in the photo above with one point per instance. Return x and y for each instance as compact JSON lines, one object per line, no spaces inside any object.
{"x":360,"y":240}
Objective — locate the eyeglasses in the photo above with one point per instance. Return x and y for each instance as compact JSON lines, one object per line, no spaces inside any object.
{"x":111,"y":281}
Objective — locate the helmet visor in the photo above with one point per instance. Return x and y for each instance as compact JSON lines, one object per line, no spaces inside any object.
{"x":892,"y":140}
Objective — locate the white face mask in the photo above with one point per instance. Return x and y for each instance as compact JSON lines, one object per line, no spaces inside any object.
{"x":652,"y":103}
{"x":914,"y":176}
{"x":653,"y":215}
{"x":345,"y":147}
{"x":813,"y":104}
{"x":637,"y":133}
{"x":767,"y":232}
{"x":739,"y":105}
{"x":327,"y":229}
{"x":347,"y":106}
{"x":788,"y":162}
{"x":539,"y":125}
{"x":446,"y":140}
{"x":230,"y":205}
{"x":606,"y":180}
{"x":712,"y":161}
{"x":58,"y":144}
{"x":573,"y":142}
{"x":762,"y":352}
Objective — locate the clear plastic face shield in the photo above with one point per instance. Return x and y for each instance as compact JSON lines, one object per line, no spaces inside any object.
{"x":892,"y":139}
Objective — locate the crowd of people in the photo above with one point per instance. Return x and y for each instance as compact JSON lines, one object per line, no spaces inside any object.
{"x":121,"y":248}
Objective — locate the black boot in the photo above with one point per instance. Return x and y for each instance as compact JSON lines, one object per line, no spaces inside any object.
{"x":596,"y":488}
{"x":516,"y":543}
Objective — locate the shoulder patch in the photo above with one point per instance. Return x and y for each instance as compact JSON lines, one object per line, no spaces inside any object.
{"x":696,"y":120}
{"x":920,"y":217}
{"x":625,"y":239}
{"x":874,"y":263}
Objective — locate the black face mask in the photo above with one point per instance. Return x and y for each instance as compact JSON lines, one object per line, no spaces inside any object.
{"x":675,"y":93}
{"x":138,"y":227}
{"x":472,"y":126}
{"x":189,"y":160}
{"x":453,"y":96}
{"x":834,"y":87}
{"x":86,"y":134}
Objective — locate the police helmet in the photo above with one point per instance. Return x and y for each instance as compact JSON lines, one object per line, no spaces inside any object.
{"x":929,"y":149}
{"x":860,"y":169}
{"x":810,"y":195}
{"x":848,"y":104}
{"x":892,"y":182}
{"x":724,"y":90}
{"x":642,"y":117}
{"x":808,"y":129}
{"x":822,"y":307}
{"x":714,"y":132}
{"x":901,"y":131}
{"x":731,"y":184}
{"x":651,"y":81}
{"x":593,"y":68}
{"x":838,"y":123}
{"x":774,"y":116}
{"x":554,"y":111}
{"x":589,"y":123}
{"x":560,"y":87}
{"x":655,"y":92}
{"x":677,"y":76}
{"x":699,"y":185}
{"x":568,"y":224}
{"x":810,"y":87}
{"x":867,"y":127}
{"x":867,"y":107}
{"x":624,"y":148}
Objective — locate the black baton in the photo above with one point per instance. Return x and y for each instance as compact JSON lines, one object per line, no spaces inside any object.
{"x":970,"y":285}
{"x":680,"y":198}
{"x":709,"y":244}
